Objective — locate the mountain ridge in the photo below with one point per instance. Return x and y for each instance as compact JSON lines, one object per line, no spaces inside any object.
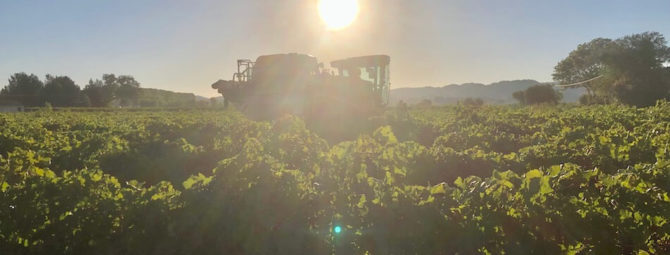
{"x":493,"y":93}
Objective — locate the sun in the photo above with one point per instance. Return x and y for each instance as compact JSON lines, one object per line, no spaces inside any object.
{"x":338,"y":14}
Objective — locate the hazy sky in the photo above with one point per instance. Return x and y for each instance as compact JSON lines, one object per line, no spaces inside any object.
{"x":186,"y":45}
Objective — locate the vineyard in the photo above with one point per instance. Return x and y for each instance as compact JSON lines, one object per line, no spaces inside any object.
{"x":434,"y":180}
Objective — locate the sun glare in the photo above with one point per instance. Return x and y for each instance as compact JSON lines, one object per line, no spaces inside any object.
{"x":338,"y":14}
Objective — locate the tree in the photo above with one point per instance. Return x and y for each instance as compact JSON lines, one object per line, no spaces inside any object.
{"x":583,"y":63}
{"x":61,"y":91}
{"x":472,"y":102}
{"x":425,"y":103}
{"x":83,"y":101}
{"x":100,"y":93}
{"x":631,"y":69}
{"x":587,"y":99}
{"x":128,"y":90}
{"x":123,"y":88}
{"x":640,"y":77}
{"x":538,"y":94}
{"x":520,"y":96}
{"x":24,"y":88}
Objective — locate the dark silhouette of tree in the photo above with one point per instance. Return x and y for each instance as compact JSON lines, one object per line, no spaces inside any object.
{"x":631,"y":68}
{"x":583,"y":63}
{"x":520,"y":96}
{"x":640,"y":77}
{"x":24,"y":88}
{"x":83,"y":101}
{"x":128,"y":90}
{"x":538,"y":94}
{"x":100,"y":93}
{"x":425,"y":103}
{"x":595,"y":99}
{"x":61,"y":91}
{"x":473,"y":102}
{"x":123,"y":88}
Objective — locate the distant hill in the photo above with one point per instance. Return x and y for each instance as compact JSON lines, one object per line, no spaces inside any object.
{"x":164,"y":98}
{"x":201,"y":98}
{"x":218,"y":99}
{"x":494,"y":93}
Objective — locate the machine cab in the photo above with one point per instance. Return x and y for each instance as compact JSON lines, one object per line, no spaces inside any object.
{"x":372,"y":70}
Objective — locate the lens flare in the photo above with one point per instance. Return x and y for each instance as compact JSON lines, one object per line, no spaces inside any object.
{"x":338,"y":14}
{"x":337,"y":229}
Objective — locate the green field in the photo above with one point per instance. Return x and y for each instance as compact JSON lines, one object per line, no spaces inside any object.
{"x":435,"y":180}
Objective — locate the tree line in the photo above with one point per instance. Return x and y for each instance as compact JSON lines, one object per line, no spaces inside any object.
{"x":62,"y":91}
{"x":632,"y":70}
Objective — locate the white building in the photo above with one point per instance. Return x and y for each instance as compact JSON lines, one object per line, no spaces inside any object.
{"x":10,"y":106}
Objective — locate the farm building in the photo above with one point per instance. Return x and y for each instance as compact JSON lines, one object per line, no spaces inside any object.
{"x":10,"y":106}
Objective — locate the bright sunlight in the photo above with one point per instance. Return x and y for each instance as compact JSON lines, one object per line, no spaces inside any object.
{"x":338,"y":14}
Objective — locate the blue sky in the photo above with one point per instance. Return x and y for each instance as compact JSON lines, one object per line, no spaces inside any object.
{"x":187,"y":45}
